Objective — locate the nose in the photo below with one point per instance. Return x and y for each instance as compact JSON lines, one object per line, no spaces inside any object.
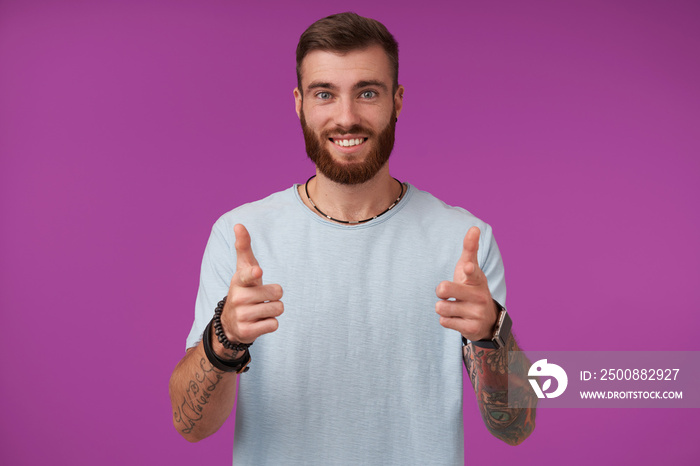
{"x":347,"y":114}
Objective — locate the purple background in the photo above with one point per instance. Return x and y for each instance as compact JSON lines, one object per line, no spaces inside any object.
{"x":127,"y":128}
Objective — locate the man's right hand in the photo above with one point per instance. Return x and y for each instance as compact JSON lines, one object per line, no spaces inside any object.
{"x":251,"y":308}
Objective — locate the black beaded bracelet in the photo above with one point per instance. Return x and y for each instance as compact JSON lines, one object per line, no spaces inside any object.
{"x":219,"y":330}
{"x":236,"y":365}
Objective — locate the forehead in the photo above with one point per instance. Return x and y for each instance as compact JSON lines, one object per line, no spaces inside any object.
{"x":346,"y":69}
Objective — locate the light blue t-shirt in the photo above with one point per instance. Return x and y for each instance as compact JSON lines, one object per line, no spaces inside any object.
{"x":360,"y":370}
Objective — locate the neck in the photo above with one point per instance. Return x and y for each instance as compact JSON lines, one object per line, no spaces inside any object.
{"x":352,"y":202}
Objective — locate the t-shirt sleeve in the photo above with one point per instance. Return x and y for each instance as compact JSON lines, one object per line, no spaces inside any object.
{"x":218,"y":267}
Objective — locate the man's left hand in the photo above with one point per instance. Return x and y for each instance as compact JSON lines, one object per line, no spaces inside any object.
{"x":465,"y":303}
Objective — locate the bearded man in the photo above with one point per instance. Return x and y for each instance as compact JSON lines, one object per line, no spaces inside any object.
{"x":351,"y":364}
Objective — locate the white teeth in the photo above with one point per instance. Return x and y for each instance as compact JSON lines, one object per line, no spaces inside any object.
{"x":348,"y":142}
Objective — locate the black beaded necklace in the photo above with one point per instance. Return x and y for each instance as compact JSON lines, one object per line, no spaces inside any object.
{"x":306,"y":189}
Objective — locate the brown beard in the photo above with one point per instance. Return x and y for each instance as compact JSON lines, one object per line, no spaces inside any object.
{"x":349,"y":173}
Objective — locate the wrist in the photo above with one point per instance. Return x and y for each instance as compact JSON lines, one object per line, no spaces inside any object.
{"x":238,"y":365}
{"x":501,"y":331}
{"x":236,"y":356}
{"x":222,"y":351}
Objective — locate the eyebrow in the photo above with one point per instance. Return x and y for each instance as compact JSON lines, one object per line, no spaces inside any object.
{"x":358,"y":85}
{"x":319,"y":84}
{"x":373,"y":82}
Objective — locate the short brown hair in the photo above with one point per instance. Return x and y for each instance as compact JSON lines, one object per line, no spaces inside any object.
{"x":344,"y":32}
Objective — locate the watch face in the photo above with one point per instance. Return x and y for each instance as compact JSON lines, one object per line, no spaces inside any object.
{"x":502,"y":331}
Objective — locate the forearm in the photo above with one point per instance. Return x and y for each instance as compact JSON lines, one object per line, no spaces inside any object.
{"x":488,"y":372}
{"x":201,"y":395}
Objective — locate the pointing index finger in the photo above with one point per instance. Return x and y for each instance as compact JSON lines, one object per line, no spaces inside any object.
{"x":471,"y":243}
{"x":468,"y":262}
{"x":244,"y":252}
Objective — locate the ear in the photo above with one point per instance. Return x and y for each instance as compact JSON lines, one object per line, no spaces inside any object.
{"x":297,"y":101}
{"x":398,"y":100}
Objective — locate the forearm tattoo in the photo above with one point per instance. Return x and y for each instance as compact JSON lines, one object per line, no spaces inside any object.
{"x":199,"y":391}
{"x":488,"y":372}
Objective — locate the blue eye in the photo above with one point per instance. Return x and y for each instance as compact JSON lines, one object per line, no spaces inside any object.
{"x":368,"y":94}
{"x":324,"y":95}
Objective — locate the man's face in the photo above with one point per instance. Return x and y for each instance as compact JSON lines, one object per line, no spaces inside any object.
{"x":348,"y":112}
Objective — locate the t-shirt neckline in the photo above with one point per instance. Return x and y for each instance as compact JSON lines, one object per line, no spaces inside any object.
{"x":377,"y":221}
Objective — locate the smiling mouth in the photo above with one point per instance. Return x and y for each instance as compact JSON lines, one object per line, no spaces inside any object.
{"x":348,"y":142}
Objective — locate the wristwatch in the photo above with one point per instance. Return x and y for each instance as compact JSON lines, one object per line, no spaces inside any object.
{"x":501,"y":331}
